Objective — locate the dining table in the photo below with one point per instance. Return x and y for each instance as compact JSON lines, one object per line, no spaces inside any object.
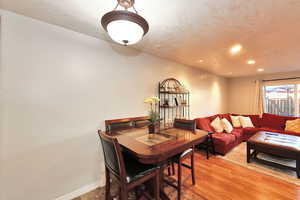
{"x":160,"y":147}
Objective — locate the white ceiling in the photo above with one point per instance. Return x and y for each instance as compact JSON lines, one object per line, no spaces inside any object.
{"x":187,"y":31}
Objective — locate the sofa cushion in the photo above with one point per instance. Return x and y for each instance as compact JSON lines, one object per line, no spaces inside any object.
{"x":238,"y":133}
{"x":272,"y":121}
{"x":224,"y":142}
{"x":204,"y":124}
{"x":276,"y":122}
{"x":223,"y":138}
{"x":249,"y":132}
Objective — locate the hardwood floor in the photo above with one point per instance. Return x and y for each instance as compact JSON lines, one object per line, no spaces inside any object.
{"x":218,"y":179}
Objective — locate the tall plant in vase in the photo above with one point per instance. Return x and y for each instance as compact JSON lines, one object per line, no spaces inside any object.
{"x":153,"y":114}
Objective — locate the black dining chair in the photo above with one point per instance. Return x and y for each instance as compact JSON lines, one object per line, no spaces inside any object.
{"x":128,"y":174}
{"x":189,"y":125}
{"x":115,"y":125}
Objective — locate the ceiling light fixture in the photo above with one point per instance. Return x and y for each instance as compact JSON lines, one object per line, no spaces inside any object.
{"x":251,"y":62}
{"x":200,"y":61}
{"x":260,"y":70}
{"x":235,"y":49}
{"x":123,"y":26}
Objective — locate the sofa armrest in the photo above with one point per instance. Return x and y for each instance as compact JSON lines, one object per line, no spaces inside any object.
{"x":204,"y":124}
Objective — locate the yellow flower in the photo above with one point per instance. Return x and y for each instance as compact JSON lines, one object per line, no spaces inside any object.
{"x":148,"y":100}
{"x":151,"y":100}
{"x":155,"y":99}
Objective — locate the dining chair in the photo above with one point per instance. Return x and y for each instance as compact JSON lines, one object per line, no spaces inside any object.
{"x":185,"y":124}
{"x":189,"y":125}
{"x":115,"y":125}
{"x":128,"y":174}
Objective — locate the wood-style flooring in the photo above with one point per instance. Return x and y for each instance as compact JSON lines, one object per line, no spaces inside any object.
{"x":218,"y":179}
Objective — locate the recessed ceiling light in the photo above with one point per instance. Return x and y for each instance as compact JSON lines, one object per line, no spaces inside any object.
{"x":229,"y":73}
{"x":251,"y":62}
{"x":260,"y":70}
{"x":200,"y":61}
{"x":235,"y":49}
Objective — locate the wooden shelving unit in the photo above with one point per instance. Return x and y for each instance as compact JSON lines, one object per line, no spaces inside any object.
{"x":166,"y":92}
{"x":174,"y":101}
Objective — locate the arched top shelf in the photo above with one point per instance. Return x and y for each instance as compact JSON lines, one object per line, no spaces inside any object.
{"x":174,"y":101}
{"x":172,"y":86}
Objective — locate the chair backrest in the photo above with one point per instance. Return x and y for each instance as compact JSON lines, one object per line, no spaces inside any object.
{"x":185,"y":124}
{"x":112,"y":155}
{"x":114,"y":125}
{"x":141,"y":121}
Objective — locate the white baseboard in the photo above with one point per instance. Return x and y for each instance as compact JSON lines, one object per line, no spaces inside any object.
{"x":80,"y":191}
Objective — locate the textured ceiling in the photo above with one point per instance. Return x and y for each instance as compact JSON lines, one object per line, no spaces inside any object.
{"x":193,"y":30}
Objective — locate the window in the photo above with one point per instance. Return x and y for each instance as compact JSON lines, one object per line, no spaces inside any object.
{"x":282,"y":99}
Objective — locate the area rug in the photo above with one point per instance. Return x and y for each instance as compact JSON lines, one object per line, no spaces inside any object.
{"x":239,"y":156}
{"x":187,"y":193}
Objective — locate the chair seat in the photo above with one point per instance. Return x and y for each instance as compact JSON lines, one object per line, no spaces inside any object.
{"x":136,"y":170}
{"x":181,"y":155}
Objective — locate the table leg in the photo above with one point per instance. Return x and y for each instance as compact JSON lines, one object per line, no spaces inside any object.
{"x":248,"y":153}
{"x":163,"y":195}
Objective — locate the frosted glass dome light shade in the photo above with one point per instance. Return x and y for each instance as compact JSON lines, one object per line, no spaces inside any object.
{"x":124,"y":27}
{"x":125,"y":32}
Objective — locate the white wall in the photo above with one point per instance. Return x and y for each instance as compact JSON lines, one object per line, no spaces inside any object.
{"x":58,"y":87}
{"x":241,"y":91}
{"x":1,"y":127}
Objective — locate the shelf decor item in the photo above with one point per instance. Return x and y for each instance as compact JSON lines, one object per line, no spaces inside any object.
{"x":178,"y":97}
{"x":153,"y":113}
{"x":166,"y":102}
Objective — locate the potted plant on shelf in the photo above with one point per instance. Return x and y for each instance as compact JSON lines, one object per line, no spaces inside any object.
{"x":153,"y":114}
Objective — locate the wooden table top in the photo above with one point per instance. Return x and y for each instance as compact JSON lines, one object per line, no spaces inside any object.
{"x":174,"y":141}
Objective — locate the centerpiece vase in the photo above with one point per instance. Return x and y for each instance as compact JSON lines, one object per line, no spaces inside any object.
{"x":151,"y":128}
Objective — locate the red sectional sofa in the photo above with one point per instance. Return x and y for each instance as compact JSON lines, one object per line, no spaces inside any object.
{"x":224,"y":142}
